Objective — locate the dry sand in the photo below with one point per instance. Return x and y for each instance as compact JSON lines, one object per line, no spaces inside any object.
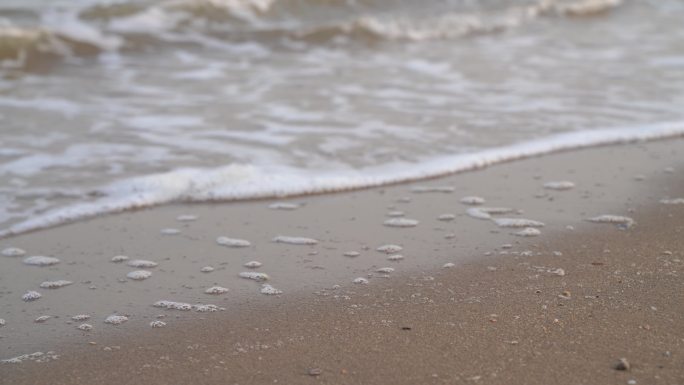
{"x":502,"y":315}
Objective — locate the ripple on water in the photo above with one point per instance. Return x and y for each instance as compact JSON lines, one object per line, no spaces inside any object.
{"x":170,"y":231}
{"x":295,"y":240}
{"x":446,"y":217}
{"x":186,"y":218}
{"x":232,"y":242}
{"x":395,"y":214}
{"x":672,"y":201}
{"x":284,"y":206}
{"x":55,"y":284}
{"x":559,"y":185}
{"x":39,"y":260}
{"x":13,"y":252}
{"x":401,"y":222}
{"x":139,"y":275}
{"x":432,"y":189}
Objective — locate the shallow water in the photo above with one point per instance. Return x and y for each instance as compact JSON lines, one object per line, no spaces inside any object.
{"x":226,"y":99}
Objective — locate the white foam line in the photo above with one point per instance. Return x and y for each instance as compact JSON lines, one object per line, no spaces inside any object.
{"x":240,"y":182}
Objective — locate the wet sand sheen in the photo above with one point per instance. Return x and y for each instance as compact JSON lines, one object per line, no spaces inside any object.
{"x":354,"y":221}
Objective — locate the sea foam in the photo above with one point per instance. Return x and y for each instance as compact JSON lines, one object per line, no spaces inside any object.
{"x":239,"y":182}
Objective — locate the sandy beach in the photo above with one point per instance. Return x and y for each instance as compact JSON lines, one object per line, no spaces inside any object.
{"x":472,"y":300}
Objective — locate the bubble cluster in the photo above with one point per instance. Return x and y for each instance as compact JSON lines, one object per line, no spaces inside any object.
{"x":55,"y":284}
{"x":85,"y":327}
{"x":207,"y":269}
{"x":270,"y":290}
{"x":295,"y":240}
{"x":252,"y":264}
{"x":186,"y":218}
{"x":157,"y":324}
{"x":283,"y":206}
{"x":351,"y":254}
{"x":119,"y":258}
{"x":360,"y":281}
{"x":170,"y":231}
{"x":232,"y":242}
{"x":116,"y":319}
{"x":389,"y":249}
{"x":40,"y":260}
{"x":30,"y":296}
{"x":81,"y":317}
{"x":139,"y":275}
{"x":401,"y":222}
{"x":216,"y":290}
{"x":42,"y":319}
{"x":517,"y":222}
{"x":559,"y":185}
{"x":142,"y":263}
{"x":528,"y":232}
{"x":472,"y":200}
{"x":254,"y":276}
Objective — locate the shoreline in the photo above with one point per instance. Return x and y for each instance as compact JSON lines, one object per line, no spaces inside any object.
{"x":366,"y":349}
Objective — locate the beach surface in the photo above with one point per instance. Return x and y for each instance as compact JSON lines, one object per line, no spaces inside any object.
{"x":472,"y":300}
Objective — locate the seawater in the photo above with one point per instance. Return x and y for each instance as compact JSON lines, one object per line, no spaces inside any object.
{"x":111,"y":105}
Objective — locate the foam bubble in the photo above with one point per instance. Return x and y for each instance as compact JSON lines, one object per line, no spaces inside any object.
{"x":31,"y":296}
{"x":559,"y":185}
{"x":119,"y":258}
{"x":283,"y":206}
{"x":207,"y":269}
{"x":270,"y":290}
{"x":206,"y":308}
{"x":448,"y":265}
{"x":142,"y":263}
{"x":216,"y":290}
{"x":40,"y":260}
{"x":559,"y":272}
{"x":528,"y":232}
{"x":401,"y":222}
{"x":622,"y":221}
{"x":170,"y":231}
{"x":116,"y":319}
{"x":253,"y":275}
{"x":446,"y":217}
{"x":389,"y":249}
{"x":674,"y":201}
{"x":171,"y":305}
{"x":157,"y":324}
{"x":139,"y":275}
{"x":81,"y":317}
{"x":360,"y":281}
{"x":186,"y":218}
{"x":486,"y":212}
{"x":385,"y":270}
{"x":295,"y":240}
{"x":232,"y":242}
{"x":55,"y":284}
{"x":472,"y":200}
{"x":85,"y":327}
{"x":396,"y":257}
{"x":36,"y":357}
{"x":42,"y":319}
{"x":431,"y":189}
{"x":252,"y":264}
{"x":351,"y":254}
{"x":395,"y":214}
{"x":13,"y":252}
{"x":2,"y":322}
{"x":517,"y":222}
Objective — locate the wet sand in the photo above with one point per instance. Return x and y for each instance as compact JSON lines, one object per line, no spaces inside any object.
{"x":504,"y":313}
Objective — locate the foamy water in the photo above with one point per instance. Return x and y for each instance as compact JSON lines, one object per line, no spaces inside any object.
{"x":110,"y":106}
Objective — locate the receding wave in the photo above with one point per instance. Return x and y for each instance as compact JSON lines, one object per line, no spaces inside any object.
{"x":243,"y":182}
{"x":120,"y":25}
